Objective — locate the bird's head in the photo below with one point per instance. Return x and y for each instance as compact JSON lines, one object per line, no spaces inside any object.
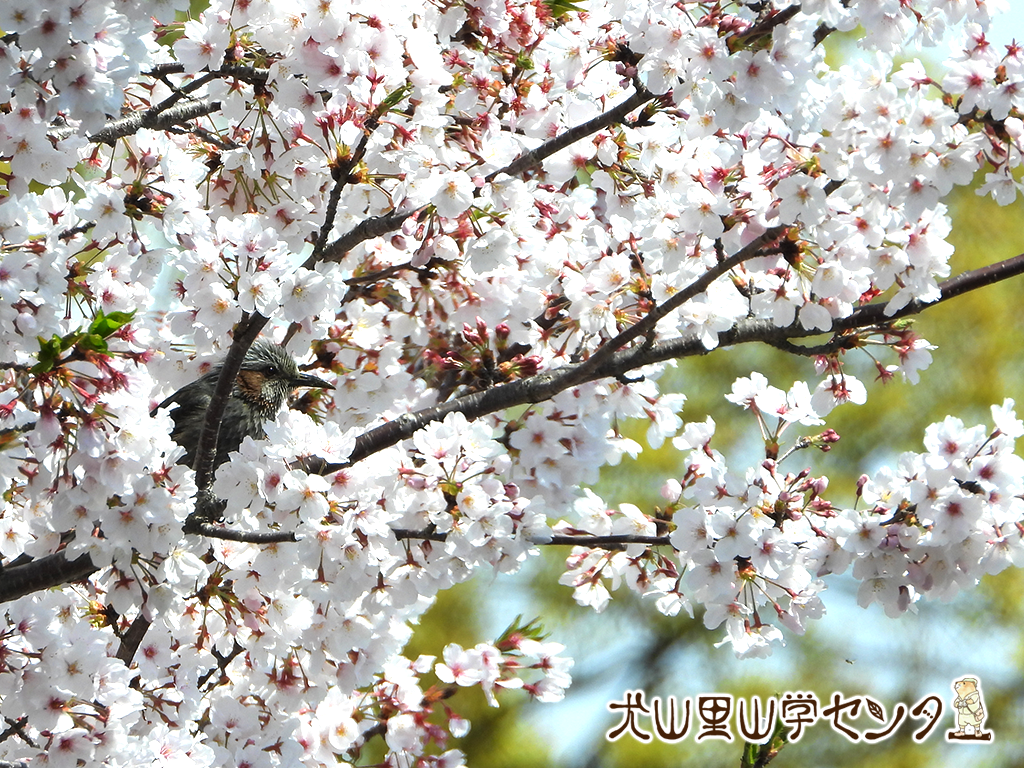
{"x":268,"y":375}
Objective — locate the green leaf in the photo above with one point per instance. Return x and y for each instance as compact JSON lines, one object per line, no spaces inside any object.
{"x":393,"y":98}
{"x":524,"y":62}
{"x":104,"y":325}
{"x":49,"y":353}
{"x":531,"y":630}
{"x":92,"y":342}
{"x":559,"y":8}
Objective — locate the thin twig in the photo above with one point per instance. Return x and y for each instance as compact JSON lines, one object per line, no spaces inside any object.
{"x":763,"y":28}
{"x":649,"y":322}
{"x":965,"y":282}
{"x":223,"y":659}
{"x":340,"y":175}
{"x":378,"y":226}
{"x":178,"y":94}
{"x":208,"y":136}
{"x":16,"y":728}
{"x":536,"y":156}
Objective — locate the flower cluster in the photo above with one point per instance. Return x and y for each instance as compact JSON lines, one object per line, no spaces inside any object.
{"x":938,"y":521}
{"x":515,"y":656}
{"x":932,"y":526}
{"x":493,"y":224}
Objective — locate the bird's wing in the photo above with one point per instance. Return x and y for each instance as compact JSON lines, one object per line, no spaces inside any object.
{"x":188,"y":407}
{"x":190,"y":396}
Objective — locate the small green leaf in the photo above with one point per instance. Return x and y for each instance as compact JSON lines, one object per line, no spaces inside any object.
{"x":92,"y":342}
{"x":104,"y":325}
{"x":393,"y":98}
{"x":49,"y":354}
{"x":531,"y":630}
{"x":559,"y":8}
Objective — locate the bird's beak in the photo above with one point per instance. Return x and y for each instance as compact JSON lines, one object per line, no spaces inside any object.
{"x":305,"y":380}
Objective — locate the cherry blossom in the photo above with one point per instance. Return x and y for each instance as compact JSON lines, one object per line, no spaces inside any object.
{"x":494,"y":225}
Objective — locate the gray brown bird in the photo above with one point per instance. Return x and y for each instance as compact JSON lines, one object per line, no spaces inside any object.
{"x":267,"y":377}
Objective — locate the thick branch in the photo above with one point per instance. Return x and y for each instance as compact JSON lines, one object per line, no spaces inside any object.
{"x":132,"y":639}
{"x":248,"y":537}
{"x":54,"y":570}
{"x":583,"y":540}
{"x":50,"y":571}
{"x":166,"y":115}
{"x":245,"y":73}
{"x":153,"y":120}
{"x":546,"y":385}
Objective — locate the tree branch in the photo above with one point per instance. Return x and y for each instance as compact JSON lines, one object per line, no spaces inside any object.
{"x":156,"y":121}
{"x":547,"y":384}
{"x":763,"y":28}
{"x":547,"y":149}
{"x":340,"y":175}
{"x":165,"y":115}
{"x":377,"y":226}
{"x":649,"y":322}
{"x":871,"y":314}
{"x":54,"y":570}
{"x":206,"y":450}
{"x":45,"y":572}
{"x":583,"y":540}
{"x":248,"y":537}
{"x":208,"y":136}
{"x":16,"y":728}
{"x":132,"y":639}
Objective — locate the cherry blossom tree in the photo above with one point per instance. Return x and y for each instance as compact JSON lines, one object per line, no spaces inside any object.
{"x":494,"y":225}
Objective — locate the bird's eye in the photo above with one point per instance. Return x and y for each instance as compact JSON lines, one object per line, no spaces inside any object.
{"x":272,"y":371}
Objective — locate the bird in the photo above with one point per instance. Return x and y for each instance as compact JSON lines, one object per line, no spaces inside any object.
{"x":267,"y":376}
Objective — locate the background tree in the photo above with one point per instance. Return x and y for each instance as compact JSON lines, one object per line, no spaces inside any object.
{"x":494,"y":225}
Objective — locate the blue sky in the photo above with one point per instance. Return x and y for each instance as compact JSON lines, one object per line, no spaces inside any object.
{"x":1010,"y":25}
